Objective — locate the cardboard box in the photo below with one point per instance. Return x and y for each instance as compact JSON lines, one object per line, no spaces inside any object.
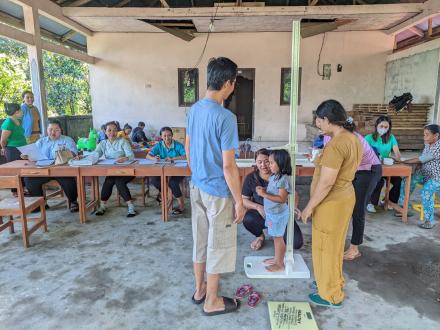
{"x":179,"y":134}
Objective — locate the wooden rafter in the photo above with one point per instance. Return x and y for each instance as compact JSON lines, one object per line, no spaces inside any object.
{"x":316,"y":12}
{"x":15,"y":34}
{"x":54,"y":12}
{"x":18,"y":23}
{"x":28,"y":39}
{"x":429,"y":27}
{"x":68,"y":35}
{"x":416,"y":40}
{"x":417,"y":31}
{"x":79,"y":3}
{"x":122,"y":3}
{"x":429,"y":9}
{"x":164,"y":4}
{"x":313,"y":2}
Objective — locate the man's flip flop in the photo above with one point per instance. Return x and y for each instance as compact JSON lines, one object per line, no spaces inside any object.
{"x":243,"y":291}
{"x":198,"y":301}
{"x":230,"y":306}
{"x":254,"y":299}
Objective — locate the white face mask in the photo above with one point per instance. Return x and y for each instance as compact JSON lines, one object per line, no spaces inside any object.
{"x":382,"y":131}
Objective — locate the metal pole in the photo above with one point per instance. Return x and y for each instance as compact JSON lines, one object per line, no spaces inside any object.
{"x":294,"y":76}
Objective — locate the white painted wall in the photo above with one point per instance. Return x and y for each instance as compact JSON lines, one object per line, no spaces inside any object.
{"x":132,"y":62}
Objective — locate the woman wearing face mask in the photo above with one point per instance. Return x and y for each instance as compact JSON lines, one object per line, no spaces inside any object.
{"x":384,"y":143}
{"x":427,"y":174}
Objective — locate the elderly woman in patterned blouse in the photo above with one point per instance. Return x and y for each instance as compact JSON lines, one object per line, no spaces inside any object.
{"x":427,"y":173}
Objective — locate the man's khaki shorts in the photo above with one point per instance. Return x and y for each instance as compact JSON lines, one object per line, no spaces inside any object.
{"x":214,"y":233}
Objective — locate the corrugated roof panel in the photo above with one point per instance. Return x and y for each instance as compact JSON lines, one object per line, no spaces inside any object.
{"x":45,"y":23}
{"x":11,"y":9}
{"x":52,"y":26}
{"x":79,"y":38}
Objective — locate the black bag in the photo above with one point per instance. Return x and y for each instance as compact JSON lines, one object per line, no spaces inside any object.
{"x":401,"y":102}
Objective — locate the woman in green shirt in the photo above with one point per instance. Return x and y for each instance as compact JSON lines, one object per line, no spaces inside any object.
{"x":384,"y":143}
{"x":12,"y":133}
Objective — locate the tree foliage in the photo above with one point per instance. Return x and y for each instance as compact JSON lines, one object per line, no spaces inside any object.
{"x":66,"y":80}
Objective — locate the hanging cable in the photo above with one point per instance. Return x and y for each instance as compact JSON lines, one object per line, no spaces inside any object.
{"x":211,"y":25}
{"x":319,"y":57}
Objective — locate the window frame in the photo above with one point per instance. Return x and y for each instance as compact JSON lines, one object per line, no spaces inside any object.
{"x":283,"y":73}
{"x":181,"y":87}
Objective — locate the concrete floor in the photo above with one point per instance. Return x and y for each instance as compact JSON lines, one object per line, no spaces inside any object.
{"x":136,"y":273}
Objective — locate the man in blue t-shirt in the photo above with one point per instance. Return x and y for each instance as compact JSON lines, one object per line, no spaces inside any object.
{"x":211,"y":144}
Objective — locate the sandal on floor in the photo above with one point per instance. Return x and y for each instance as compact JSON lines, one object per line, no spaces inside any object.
{"x":352,"y":257}
{"x":198,"y":301}
{"x":74,"y":207}
{"x":426,"y":225}
{"x":177,"y":211}
{"x":258,"y":245}
{"x":100,"y":211}
{"x":254,"y":299}
{"x":243,"y":291}
{"x":230,"y":306}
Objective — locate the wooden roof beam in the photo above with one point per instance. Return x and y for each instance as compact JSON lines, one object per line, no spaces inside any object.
{"x":16,"y":34}
{"x":28,"y":39}
{"x":18,"y":23}
{"x":430,"y":9}
{"x":79,"y":3}
{"x":164,"y":4}
{"x":68,"y":35}
{"x":54,"y":12}
{"x":417,"y":31}
{"x":233,"y":11}
{"x":122,"y":3}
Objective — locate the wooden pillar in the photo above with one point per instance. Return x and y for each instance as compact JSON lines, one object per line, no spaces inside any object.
{"x":35,"y":55}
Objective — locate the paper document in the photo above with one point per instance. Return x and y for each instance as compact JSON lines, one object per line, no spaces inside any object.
{"x":146,"y":161}
{"x":89,"y":160}
{"x":45,"y":162}
{"x":106,"y":162}
{"x":181,"y":164}
{"x":291,"y":316}
{"x":32,"y":151}
{"x":114,"y":162}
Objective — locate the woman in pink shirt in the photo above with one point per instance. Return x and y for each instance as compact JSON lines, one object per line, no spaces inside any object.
{"x":366,"y":178}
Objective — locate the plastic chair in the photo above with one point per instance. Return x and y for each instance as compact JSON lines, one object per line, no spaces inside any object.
{"x":419,"y":207}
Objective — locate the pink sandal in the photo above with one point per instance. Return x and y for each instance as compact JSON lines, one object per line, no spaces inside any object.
{"x":243,"y":291}
{"x":254,"y":299}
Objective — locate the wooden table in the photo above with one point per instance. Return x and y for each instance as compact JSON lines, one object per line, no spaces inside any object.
{"x":26,"y":168}
{"x":387,"y":171}
{"x":96,"y":171}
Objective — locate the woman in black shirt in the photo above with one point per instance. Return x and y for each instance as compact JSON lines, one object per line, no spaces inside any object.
{"x":254,"y":218}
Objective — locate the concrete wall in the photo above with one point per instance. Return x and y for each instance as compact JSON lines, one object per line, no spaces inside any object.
{"x":136,"y":77}
{"x":415,"y":70}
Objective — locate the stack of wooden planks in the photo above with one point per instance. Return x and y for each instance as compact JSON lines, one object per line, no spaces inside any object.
{"x":407,"y":124}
